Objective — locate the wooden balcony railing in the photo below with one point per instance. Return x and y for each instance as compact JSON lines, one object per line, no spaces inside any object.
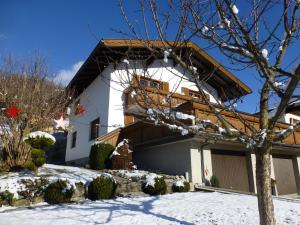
{"x":193,"y":106}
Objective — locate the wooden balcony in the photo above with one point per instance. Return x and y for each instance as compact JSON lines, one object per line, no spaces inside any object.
{"x":196,"y":107}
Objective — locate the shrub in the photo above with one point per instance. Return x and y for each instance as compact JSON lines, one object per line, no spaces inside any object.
{"x":7,"y":196}
{"x":33,"y":188}
{"x":99,"y":156}
{"x":102,"y":187}
{"x":39,"y":142}
{"x":38,"y":159}
{"x":158,"y":188}
{"x":214,"y":181}
{"x":30,"y":166}
{"x":181,"y":186}
{"x":58,"y":192}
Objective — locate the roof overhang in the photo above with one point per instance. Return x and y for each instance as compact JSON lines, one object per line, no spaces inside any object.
{"x":113,"y":50}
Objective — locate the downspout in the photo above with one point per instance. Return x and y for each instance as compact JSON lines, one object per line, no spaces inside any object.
{"x":202,"y":161}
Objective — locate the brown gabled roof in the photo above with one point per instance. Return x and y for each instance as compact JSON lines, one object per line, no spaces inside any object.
{"x":114,"y":50}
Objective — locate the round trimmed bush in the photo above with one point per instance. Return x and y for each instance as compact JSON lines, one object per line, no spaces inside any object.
{"x":6,"y":197}
{"x":214,"y":181}
{"x":102,"y":187}
{"x":99,"y":156}
{"x":38,"y":157}
{"x":183,"y":186}
{"x":159,"y":187}
{"x":58,"y":192}
{"x":40,"y":142}
{"x":30,"y":166}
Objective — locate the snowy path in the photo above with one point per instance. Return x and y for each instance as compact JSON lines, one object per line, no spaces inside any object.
{"x":186,"y":209}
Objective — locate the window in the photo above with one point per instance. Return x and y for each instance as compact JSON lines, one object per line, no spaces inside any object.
{"x":294,"y":121}
{"x":143,"y":82}
{"x":154,"y":84}
{"x":147,"y":82}
{"x":193,"y":94}
{"x":94,"y":133}
{"x":73,"y":141}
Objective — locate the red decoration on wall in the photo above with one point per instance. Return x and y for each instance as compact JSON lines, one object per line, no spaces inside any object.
{"x":13,"y":112}
{"x":81,"y":110}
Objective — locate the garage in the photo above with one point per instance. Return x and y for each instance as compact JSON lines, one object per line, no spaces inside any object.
{"x":284,"y":174}
{"x":230,"y":167}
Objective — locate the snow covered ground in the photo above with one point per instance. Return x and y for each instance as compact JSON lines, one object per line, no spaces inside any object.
{"x":182,"y":208}
{"x":12,"y":181}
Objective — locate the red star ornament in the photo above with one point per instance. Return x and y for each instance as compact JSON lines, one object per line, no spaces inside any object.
{"x":81,"y":110}
{"x":13,"y":112}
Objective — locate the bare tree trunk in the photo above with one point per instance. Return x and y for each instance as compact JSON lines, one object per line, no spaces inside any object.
{"x":264,"y":189}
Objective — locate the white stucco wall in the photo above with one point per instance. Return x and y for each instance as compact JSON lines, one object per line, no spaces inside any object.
{"x":104,"y":99}
{"x":95,"y":100}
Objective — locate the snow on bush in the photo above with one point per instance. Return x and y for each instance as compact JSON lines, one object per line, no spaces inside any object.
{"x":179,"y":183}
{"x":180,"y":186}
{"x":39,"y":134}
{"x":150,"y":180}
{"x":154,"y":185}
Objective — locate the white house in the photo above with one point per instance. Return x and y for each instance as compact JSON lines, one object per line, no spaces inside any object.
{"x":102,"y":89}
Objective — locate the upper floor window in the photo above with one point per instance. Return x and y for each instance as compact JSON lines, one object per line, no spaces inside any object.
{"x":193,"y":94}
{"x":147,"y":82}
{"x":94,"y":129}
{"x":294,"y":121}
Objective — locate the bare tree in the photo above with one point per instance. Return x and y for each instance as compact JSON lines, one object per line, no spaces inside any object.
{"x":30,"y":100}
{"x":257,"y":36}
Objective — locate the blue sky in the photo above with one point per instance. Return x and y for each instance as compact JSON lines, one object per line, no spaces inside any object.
{"x":66,"y":31}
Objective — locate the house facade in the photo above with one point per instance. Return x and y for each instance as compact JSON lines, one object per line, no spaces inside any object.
{"x":103,"y":87}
